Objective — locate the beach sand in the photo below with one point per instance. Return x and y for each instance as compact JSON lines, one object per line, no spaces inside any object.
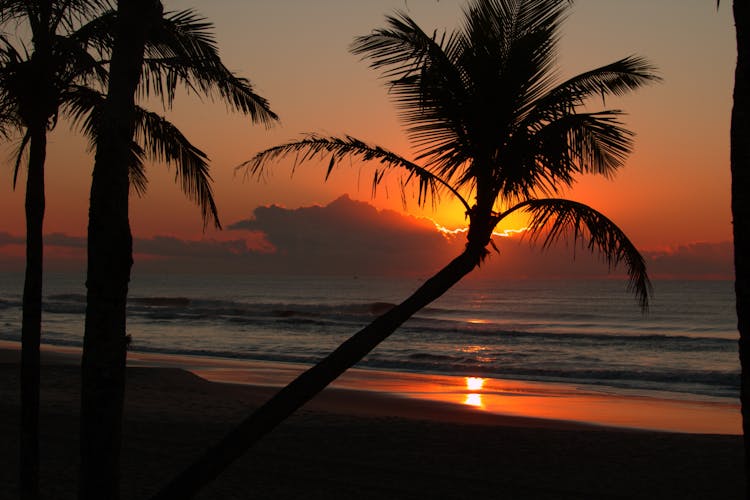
{"x":361,"y":445}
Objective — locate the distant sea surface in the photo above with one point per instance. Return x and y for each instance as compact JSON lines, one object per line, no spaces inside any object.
{"x":580,"y":332}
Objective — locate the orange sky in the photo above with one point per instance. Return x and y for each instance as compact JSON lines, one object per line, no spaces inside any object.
{"x":673,"y":192}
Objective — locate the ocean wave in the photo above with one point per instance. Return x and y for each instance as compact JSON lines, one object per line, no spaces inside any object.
{"x":161,"y":301}
{"x":487,"y":332}
{"x":352,"y":316}
{"x":9,"y":304}
{"x":67,"y":297}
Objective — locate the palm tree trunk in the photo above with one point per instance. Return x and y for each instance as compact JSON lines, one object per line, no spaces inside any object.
{"x":110,"y":258}
{"x":31,"y":325}
{"x":207,"y":467}
{"x":740,"y":166}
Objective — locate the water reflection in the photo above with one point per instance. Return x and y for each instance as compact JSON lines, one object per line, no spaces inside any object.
{"x":474,"y":400}
{"x":474,"y":384}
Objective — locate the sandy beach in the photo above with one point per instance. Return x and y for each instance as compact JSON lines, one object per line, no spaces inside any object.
{"x":361,"y":444}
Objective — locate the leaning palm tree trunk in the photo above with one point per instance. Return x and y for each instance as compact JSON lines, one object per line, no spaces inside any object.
{"x":740,"y":167}
{"x":110,"y":260}
{"x":31,"y":325}
{"x":306,"y":386}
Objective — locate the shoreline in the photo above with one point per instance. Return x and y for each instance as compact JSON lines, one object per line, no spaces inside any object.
{"x":496,"y":400}
{"x":359,"y":444}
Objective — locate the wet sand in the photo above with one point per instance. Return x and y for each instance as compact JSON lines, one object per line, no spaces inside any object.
{"x":360,"y":444}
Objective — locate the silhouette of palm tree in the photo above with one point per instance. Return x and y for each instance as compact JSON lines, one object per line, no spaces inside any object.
{"x":69,"y":41}
{"x":155,"y":53}
{"x":740,"y":170}
{"x":740,"y":167}
{"x":488,"y":117}
{"x":33,"y":88}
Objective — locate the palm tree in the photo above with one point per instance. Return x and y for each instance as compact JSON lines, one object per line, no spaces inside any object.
{"x":31,"y":86}
{"x":740,"y":167}
{"x":153,"y":52}
{"x":740,"y":170}
{"x":103,"y":362}
{"x":488,"y":117}
{"x":71,"y":89}
{"x":77,"y":35}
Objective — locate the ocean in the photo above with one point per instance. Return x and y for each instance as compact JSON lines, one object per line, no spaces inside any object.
{"x":588,"y":333}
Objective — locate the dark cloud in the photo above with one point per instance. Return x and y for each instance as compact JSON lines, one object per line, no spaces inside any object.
{"x":347,"y":237}
{"x":695,"y":260}
{"x":9,"y":239}
{"x":169,"y":246}
{"x":63,"y":240}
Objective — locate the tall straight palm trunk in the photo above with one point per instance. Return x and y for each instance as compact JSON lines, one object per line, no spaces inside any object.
{"x":217,"y":458}
{"x":109,"y":262}
{"x":36,"y":114}
{"x":31,"y":325}
{"x":740,"y":166}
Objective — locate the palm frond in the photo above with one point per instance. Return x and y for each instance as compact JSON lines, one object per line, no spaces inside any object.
{"x":615,"y":79}
{"x":75,"y":64}
{"x":10,"y":120}
{"x":137,"y":177}
{"x":83,"y":105}
{"x":9,"y":123}
{"x":402,"y":48}
{"x":19,"y":155}
{"x":462,"y":94}
{"x":12,"y":10}
{"x":426,"y":84}
{"x":334,"y":150}
{"x":163,"y":141}
{"x":67,"y":15}
{"x":552,"y":219}
{"x":97,"y":33}
{"x":155,"y":138}
{"x":595,"y":143}
{"x":183,"y":52}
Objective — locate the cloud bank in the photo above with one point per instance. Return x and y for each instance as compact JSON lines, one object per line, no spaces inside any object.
{"x":346,"y":237}
{"x":353,"y":238}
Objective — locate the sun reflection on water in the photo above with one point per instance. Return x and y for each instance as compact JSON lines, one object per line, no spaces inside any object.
{"x":474,"y":384}
{"x":474,"y":400}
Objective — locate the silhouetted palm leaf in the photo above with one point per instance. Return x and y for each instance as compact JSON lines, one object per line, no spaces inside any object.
{"x":315,"y":147}
{"x":617,"y":78}
{"x":73,"y":66}
{"x":157,"y":139}
{"x":554,"y":219}
{"x":19,"y":156}
{"x":164,"y":142}
{"x":183,"y":51}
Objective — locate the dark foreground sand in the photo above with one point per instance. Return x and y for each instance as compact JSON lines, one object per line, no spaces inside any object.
{"x":355,"y":445}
